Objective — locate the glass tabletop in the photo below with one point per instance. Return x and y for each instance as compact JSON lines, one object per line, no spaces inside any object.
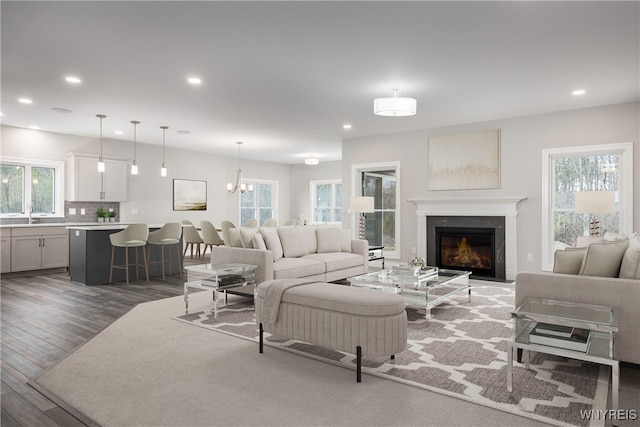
{"x":221,"y":267}
{"x":598,"y":317}
{"x":414,"y":281}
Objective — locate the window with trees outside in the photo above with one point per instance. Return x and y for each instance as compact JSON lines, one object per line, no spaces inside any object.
{"x":30,"y":187}
{"x":590,"y":168}
{"x":259,"y":204}
{"x":326,"y":200}
{"x":381,"y":224}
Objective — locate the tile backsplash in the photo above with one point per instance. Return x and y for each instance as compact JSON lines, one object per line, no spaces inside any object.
{"x":90,"y":215}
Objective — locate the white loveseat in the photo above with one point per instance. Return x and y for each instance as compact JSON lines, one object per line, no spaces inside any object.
{"x":325,"y":254}
{"x":603,"y":273}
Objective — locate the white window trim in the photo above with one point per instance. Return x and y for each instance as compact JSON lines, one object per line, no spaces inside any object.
{"x":626,"y":190}
{"x":356,"y":190}
{"x":275,"y":196}
{"x":312,"y":191}
{"x":58,"y":183}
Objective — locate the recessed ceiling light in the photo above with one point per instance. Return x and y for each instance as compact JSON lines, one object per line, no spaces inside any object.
{"x":25,"y":100}
{"x":73,"y":79}
{"x":60,"y":110}
{"x":194,"y":80}
{"x":346,"y":126}
{"x":34,"y":127}
{"x":118,"y":132}
{"x":183,"y":132}
{"x":578,"y":92}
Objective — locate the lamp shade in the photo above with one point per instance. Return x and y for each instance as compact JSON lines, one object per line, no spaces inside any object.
{"x":361,"y":204}
{"x":595,"y":202}
{"x":394,"y":106}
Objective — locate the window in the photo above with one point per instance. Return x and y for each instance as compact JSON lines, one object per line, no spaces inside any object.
{"x":589,"y":168}
{"x":260,"y":203}
{"x":31,"y":186}
{"x":326,"y":201}
{"x":382,"y":227}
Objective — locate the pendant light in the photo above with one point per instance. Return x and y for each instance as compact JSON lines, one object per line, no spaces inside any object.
{"x":239,"y":184}
{"x":134,"y":165}
{"x":163,"y":169}
{"x":101,"y":166}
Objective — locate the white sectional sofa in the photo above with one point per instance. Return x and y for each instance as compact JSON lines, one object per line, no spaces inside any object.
{"x":323,"y":253}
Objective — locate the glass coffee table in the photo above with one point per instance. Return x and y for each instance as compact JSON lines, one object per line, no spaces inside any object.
{"x":573,"y":330}
{"x":217,"y":277}
{"x":423,"y":289}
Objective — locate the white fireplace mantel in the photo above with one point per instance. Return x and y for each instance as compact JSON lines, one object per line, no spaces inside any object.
{"x":472,"y":206}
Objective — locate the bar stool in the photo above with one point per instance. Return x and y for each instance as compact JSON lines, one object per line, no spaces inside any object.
{"x":191,"y":238}
{"x":134,"y":236}
{"x":169,"y":234}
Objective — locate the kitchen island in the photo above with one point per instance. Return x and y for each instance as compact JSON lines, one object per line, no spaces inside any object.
{"x":90,"y":255}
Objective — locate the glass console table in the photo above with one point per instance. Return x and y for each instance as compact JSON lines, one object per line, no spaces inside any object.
{"x":550,"y":319}
{"x":217,"y":277}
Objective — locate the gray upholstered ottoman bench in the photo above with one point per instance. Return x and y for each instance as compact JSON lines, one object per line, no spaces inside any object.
{"x":368,"y":322}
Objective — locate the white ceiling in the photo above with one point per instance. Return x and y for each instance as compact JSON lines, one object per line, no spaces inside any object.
{"x":285,"y":76}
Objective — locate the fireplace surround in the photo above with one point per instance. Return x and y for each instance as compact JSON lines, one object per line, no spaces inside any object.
{"x":506,"y":207}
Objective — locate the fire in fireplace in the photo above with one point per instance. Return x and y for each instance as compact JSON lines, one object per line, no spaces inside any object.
{"x":466,"y":249}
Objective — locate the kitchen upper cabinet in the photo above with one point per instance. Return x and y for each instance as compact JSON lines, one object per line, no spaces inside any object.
{"x":39,"y":248}
{"x":84,"y":183}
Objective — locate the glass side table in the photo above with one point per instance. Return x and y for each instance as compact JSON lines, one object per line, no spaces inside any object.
{"x":600,"y":321}
{"x":217,"y":277}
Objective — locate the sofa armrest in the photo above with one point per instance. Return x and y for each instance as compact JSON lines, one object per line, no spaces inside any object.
{"x":361,"y":247}
{"x":260,"y":257}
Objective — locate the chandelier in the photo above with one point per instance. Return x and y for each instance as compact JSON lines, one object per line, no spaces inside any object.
{"x":394,"y":106}
{"x":239,"y":184}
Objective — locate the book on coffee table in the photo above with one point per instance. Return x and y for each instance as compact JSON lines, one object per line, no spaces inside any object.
{"x":578,"y":341}
{"x":557,"y":330}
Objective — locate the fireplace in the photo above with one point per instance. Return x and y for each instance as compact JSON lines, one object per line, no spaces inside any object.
{"x":466,"y":248}
{"x":471,"y":243}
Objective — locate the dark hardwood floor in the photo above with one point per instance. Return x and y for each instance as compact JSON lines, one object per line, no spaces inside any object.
{"x":44,"y":318}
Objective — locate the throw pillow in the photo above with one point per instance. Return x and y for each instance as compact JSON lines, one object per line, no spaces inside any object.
{"x":235,"y":239}
{"x":630,"y":266}
{"x":272,"y":241}
{"x":246,"y":236}
{"x":345,"y":240}
{"x":258,"y":242}
{"x":568,"y":261}
{"x":584,"y":241}
{"x":603,"y":259}
{"x":328,"y":239}
{"x":311,"y":239}
{"x":293,"y":242}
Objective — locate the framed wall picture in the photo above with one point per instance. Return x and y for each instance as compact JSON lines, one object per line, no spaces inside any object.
{"x":464,"y":161}
{"x":189,"y":195}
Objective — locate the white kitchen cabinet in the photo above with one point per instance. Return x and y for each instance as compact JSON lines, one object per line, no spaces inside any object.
{"x":39,"y":248}
{"x":84,"y":183}
{"x":5,"y":250}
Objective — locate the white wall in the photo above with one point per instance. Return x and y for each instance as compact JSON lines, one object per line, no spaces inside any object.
{"x":522,"y":141}
{"x":149,"y":193}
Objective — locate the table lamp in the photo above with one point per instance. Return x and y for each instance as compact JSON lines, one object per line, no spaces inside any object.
{"x":361,"y":205}
{"x":595,"y":202}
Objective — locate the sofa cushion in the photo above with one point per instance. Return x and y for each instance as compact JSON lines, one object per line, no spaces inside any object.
{"x":603,"y":259}
{"x":293,"y":242}
{"x":246,"y":236}
{"x":292,"y":268}
{"x":258,"y":242}
{"x":235,"y":239}
{"x":311,"y":239}
{"x":345,"y":240}
{"x":584,"y":241}
{"x":630,"y":266}
{"x":272,"y":241}
{"x":328,"y":239}
{"x":337,"y":260}
{"x":568,"y":261}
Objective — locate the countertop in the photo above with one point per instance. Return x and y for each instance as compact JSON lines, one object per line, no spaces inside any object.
{"x":109,"y":226}
{"x":57,"y":224}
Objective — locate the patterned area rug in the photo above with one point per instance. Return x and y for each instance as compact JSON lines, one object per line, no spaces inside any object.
{"x":460,"y":352}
